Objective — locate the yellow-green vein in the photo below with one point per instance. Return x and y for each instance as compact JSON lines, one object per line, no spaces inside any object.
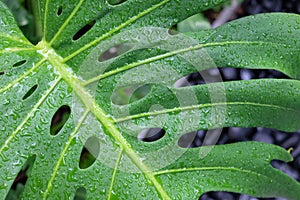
{"x":29,"y":115}
{"x":178,"y":109}
{"x":109,"y":33}
{"x":45,"y":19}
{"x":165,"y":55}
{"x":61,"y":156}
{"x":207,"y":169}
{"x":114,"y":174}
{"x":105,"y":120}
{"x":10,"y":50}
{"x":16,"y":39}
{"x":9,"y":85}
{"x":66,"y":22}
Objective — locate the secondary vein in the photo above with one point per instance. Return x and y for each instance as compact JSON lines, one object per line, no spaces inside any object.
{"x":29,"y":115}
{"x":165,"y":55}
{"x":114,"y":174}
{"x":68,"y":143}
{"x":109,"y":33}
{"x":208,"y":169}
{"x":66,"y":22}
{"x":178,"y":109}
{"x":25,"y":74}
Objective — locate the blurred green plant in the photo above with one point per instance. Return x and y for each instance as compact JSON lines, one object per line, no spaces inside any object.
{"x":24,"y":17}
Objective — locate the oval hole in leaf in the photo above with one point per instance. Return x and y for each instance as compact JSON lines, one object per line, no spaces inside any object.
{"x":151,"y":134}
{"x":2,"y":73}
{"x":221,"y":195}
{"x":129,"y":94}
{"x":59,"y":119}
{"x":248,"y":74}
{"x":197,"y":78}
{"x":182,"y":82}
{"x":116,"y":2}
{"x":115,"y":51}
{"x":30,"y":92}
{"x":21,"y":179}
{"x":17,"y":64}
{"x":191,"y":79}
{"x":173,"y":30}
{"x":89,"y":152}
{"x":80,"y":194}
{"x":226,"y":74}
{"x":231,"y":74}
{"x":59,"y":11}
{"x":192,"y":139}
{"x":84,"y":30}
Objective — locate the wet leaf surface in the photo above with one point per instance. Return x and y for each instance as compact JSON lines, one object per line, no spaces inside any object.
{"x":68,"y":73}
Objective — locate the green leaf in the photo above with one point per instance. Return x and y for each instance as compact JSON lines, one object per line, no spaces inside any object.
{"x":65,"y":71}
{"x":194,"y":23}
{"x":273,"y":44}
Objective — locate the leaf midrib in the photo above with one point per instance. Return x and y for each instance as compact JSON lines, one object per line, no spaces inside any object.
{"x":57,"y":62}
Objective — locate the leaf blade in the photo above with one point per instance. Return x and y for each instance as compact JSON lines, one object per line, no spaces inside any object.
{"x":65,"y":148}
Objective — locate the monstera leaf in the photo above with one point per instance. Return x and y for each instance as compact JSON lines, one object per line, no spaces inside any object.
{"x":77,"y":92}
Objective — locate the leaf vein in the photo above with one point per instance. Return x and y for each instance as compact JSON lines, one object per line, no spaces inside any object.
{"x":15,"y":81}
{"x":109,"y":33}
{"x":166,"y":55}
{"x":61,"y":156}
{"x":209,"y":169}
{"x":114,"y":173}
{"x":184,"y":108}
{"x":105,"y":120}
{"x":10,"y":50}
{"x":29,"y":115}
{"x":66,"y":22}
{"x":45,"y":19}
{"x":15,"y":39}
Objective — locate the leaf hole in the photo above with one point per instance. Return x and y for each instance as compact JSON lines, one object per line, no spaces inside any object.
{"x":30,"y":92}
{"x":223,"y":195}
{"x":130,"y":94}
{"x":2,"y":73}
{"x":116,"y":2}
{"x":151,"y":134}
{"x":115,"y":51}
{"x":17,"y":64}
{"x":197,"y":78}
{"x":89,"y":152}
{"x":80,"y":194}
{"x":59,"y":119}
{"x":182,"y":82}
{"x":192,"y":139}
{"x":59,"y":11}
{"x":84,"y":30}
{"x":173,"y":31}
{"x":225,"y":74}
{"x":200,"y":138}
{"x":19,"y":183}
